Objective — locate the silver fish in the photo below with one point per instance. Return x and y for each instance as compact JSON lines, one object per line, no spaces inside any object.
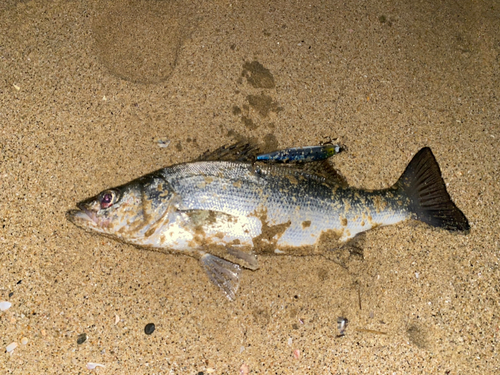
{"x":225,"y":208}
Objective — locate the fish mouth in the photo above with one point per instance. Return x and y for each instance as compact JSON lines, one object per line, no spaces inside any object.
{"x":81,"y":217}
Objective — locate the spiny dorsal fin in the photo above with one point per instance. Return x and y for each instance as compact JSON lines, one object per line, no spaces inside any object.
{"x":240,"y":151}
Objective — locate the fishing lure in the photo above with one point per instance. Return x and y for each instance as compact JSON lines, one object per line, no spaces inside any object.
{"x":301,"y":154}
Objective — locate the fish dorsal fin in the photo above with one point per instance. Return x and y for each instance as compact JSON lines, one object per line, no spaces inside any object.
{"x":247,"y":152}
{"x":322,"y":169}
{"x":240,"y":151}
{"x":326,"y":170}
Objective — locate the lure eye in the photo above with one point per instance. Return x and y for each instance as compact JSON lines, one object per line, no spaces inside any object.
{"x":108,"y":198}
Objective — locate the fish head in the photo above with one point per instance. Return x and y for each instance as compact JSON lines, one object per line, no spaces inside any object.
{"x":128,"y":212}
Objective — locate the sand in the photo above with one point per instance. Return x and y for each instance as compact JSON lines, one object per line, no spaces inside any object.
{"x":87,"y":91}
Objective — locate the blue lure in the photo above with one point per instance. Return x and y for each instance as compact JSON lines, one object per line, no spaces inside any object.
{"x":301,"y":154}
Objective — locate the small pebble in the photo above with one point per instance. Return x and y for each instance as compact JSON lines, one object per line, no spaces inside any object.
{"x":149,"y":329}
{"x":296,"y":354}
{"x":24,"y":340}
{"x":342,"y":325}
{"x":81,"y":338}
{"x":11,"y":347}
{"x":244,"y":369}
{"x":164,"y":143}
{"x":4,"y":305}
{"x":92,"y":366}
{"x":117,"y":319}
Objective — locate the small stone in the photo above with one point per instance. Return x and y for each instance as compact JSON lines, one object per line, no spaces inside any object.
{"x":4,"y":305}
{"x":164,"y":143}
{"x":296,"y":354}
{"x":244,"y":369}
{"x":342,"y":324}
{"x":11,"y":347}
{"x":24,"y":340}
{"x":149,"y":329}
{"x":81,"y":338}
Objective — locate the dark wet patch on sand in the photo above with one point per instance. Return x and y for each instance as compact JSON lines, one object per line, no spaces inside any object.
{"x":257,"y":75}
{"x":263,"y":104}
{"x":417,"y":336}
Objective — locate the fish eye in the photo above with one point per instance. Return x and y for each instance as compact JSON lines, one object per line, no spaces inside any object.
{"x":107,"y":199}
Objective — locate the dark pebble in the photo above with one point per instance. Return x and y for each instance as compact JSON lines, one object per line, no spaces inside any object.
{"x":81,"y":338}
{"x":11,"y":294}
{"x":149,"y":329}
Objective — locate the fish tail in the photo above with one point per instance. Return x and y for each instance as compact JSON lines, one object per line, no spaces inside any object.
{"x":429,"y":201}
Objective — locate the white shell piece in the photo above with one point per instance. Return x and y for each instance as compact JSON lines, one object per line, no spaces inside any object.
{"x":11,"y":347}
{"x":4,"y":305}
{"x":92,"y":366}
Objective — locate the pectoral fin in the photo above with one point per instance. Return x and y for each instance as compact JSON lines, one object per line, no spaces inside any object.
{"x":224,"y":274}
{"x":225,"y":236}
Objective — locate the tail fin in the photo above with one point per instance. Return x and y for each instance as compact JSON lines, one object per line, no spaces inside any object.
{"x":429,"y":201}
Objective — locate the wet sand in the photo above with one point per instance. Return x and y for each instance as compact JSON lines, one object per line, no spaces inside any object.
{"x":87,"y":91}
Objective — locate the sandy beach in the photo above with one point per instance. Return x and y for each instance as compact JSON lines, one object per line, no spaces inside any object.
{"x":94,"y":94}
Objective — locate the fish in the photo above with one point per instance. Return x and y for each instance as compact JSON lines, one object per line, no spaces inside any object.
{"x":226,"y":209}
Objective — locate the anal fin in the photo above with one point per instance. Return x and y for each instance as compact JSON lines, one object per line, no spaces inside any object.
{"x":350,"y":253}
{"x":224,"y":274}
